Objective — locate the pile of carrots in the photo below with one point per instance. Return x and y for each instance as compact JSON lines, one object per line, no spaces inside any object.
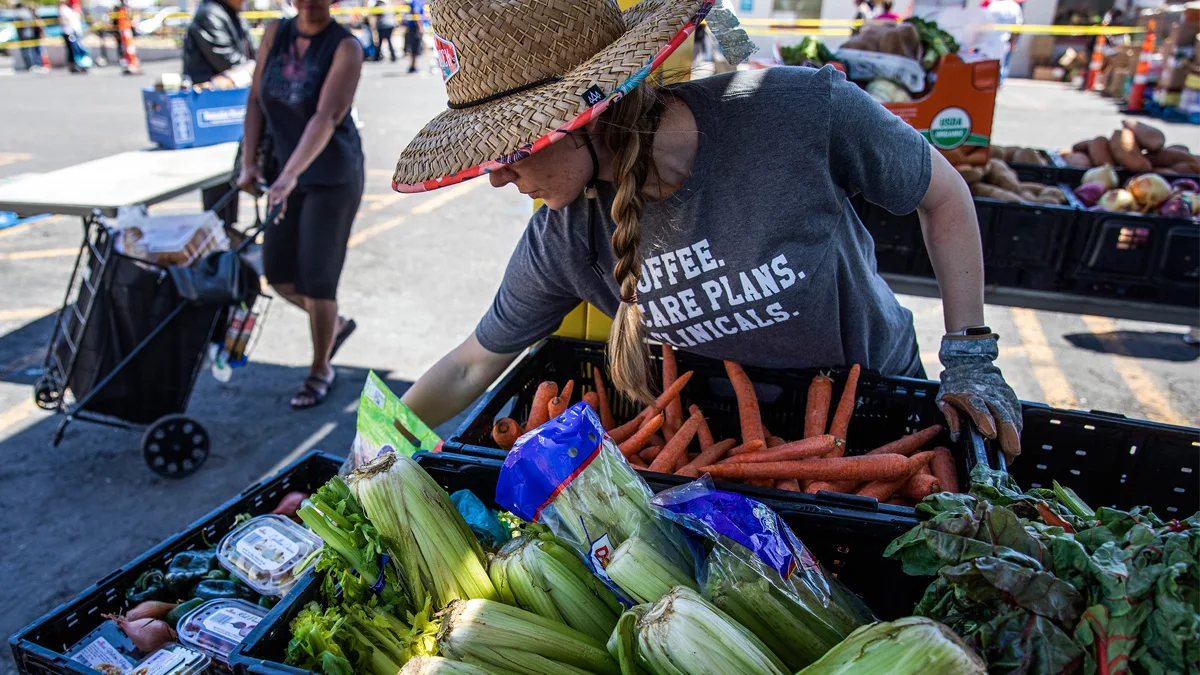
{"x":660,"y":438}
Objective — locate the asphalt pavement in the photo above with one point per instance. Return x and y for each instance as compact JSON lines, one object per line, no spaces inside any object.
{"x":420,"y":272}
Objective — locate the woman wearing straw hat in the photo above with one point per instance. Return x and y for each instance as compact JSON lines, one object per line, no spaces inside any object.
{"x":713,"y":215}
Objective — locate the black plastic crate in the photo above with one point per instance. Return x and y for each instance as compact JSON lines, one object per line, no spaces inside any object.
{"x":1024,"y":245}
{"x":846,"y":545}
{"x":899,"y":244}
{"x":887,"y":408}
{"x":1135,"y":257}
{"x":1111,"y":460}
{"x":39,"y":648}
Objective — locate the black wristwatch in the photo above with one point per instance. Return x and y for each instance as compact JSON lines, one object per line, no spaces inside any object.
{"x":970,"y":332}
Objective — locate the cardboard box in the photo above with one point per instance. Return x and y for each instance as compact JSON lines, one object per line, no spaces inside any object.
{"x":1049,"y":73}
{"x":1114,"y":86}
{"x":956,"y":115}
{"x":1174,"y":74}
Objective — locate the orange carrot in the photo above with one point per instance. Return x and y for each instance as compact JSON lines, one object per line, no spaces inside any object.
{"x":674,"y":410}
{"x":606,"y":417}
{"x":884,"y":489}
{"x":636,"y":461}
{"x":638,"y":441}
{"x":862,"y":468}
{"x":775,"y":441}
{"x":656,"y":439}
{"x":539,"y":410}
{"x":559,"y":404}
{"x":815,"y":486}
{"x":845,"y":407}
{"x":925,"y":469}
{"x":747,"y":400}
{"x":805,"y":449}
{"x":760,"y":482}
{"x":649,"y":452}
{"x":752,"y":446}
{"x":920,"y":486}
{"x":942,"y":466}
{"x":708,"y":455}
{"x":671,"y":392}
{"x":910,"y":443}
{"x":677,"y":446}
{"x":623,"y":432}
{"x":816,"y":413}
{"x":703,"y":433}
{"x":789,"y":484}
{"x":593,"y":402}
{"x":506,"y":432}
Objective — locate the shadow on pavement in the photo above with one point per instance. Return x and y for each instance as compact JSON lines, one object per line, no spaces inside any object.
{"x":1158,"y":345}
{"x":22,"y":350}
{"x":79,"y":511}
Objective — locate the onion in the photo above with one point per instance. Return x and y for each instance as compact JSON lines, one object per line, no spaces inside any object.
{"x":1149,"y":189}
{"x":1185,"y":185}
{"x":1117,"y":200}
{"x":1176,"y":207}
{"x":146,"y":634}
{"x":1090,"y":193}
{"x":1104,"y":175}
{"x":150,"y":609}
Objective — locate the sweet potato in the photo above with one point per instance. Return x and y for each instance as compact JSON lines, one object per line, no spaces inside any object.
{"x":1179,"y":146}
{"x":1126,"y":151}
{"x":999,"y":174}
{"x":971,"y":174}
{"x":996,"y":152}
{"x":1052,"y":194}
{"x":1079,"y":160}
{"x":1167,"y":157}
{"x":982,"y":189}
{"x":1098,"y":152}
{"x":1010,"y":152}
{"x":1081,"y":146}
{"x":1150,"y":138}
{"x":1028,"y":156}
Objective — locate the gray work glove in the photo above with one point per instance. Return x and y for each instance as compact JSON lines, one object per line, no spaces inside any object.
{"x":972,"y":384}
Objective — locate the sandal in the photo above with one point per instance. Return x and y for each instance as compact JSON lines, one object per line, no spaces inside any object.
{"x":346,"y":331}
{"x":315,"y":396}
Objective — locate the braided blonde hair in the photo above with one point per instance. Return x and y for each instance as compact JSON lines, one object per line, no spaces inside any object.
{"x":627,"y":128}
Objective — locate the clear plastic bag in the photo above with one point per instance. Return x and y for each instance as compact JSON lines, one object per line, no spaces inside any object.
{"x":759,"y":573}
{"x":570,"y":476}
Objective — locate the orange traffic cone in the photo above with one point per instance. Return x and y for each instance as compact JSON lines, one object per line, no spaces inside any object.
{"x":129,"y":58}
{"x":1137,"y":93}
{"x":46,"y":60}
{"x":1096,"y":64}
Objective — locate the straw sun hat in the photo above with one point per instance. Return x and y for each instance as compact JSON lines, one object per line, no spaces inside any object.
{"x":521,"y":74}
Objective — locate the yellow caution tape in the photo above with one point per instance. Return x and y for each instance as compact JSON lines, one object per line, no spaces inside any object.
{"x":782,"y":26}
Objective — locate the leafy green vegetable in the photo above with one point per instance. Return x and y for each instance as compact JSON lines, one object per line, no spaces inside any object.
{"x":349,"y":639}
{"x":936,"y":41}
{"x":810,"y":52}
{"x":1038,"y":582}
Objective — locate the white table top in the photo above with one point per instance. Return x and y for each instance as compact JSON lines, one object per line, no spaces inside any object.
{"x":128,"y":179}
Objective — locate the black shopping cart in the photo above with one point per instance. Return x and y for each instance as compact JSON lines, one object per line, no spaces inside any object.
{"x":126,"y":348}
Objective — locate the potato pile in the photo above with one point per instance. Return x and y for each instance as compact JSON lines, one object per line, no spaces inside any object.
{"x":1014,"y":154}
{"x":998,"y":181}
{"x":1136,"y":146}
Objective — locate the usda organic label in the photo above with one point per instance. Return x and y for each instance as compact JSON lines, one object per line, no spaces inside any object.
{"x":950,"y":128}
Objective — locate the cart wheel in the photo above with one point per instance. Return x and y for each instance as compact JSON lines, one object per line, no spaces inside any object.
{"x":46,"y":395}
{"x":175,"y":446}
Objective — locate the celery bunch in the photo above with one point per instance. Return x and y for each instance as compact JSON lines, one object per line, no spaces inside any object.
{"x":508,"y":640}
{"x":542,"y":574}
{"x":683,"y":634}
{"x":913,"y":644}
{"x":434,"y":550}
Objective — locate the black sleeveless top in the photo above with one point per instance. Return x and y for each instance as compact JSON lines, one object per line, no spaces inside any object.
{"x":289,"y":92}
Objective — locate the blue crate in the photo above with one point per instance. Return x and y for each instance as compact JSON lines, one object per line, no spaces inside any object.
{"x":191,"y":119}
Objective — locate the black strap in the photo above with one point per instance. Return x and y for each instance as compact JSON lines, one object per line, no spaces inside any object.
{"x":501,"y":94}
{"x":593,"y":203}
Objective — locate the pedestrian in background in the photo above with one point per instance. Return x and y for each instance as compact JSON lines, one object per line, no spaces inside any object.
{"x":1006,"y":12}
{"x":304,"y":83}
{"x":29,"y":30}
{"x":217,"y":49}
{"x":863,"y":10}
{"x":385,"y":25}
{"x":75,"y":55}
{"x":884,"y":11}
{"x":414,"y":32}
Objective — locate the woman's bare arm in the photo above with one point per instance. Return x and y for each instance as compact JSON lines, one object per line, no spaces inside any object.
{"x":951,"y":233}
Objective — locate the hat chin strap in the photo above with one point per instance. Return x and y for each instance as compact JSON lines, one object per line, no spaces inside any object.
{"x":592,"y":195}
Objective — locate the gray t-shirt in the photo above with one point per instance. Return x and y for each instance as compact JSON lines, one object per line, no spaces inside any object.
{"x":758,"y":258}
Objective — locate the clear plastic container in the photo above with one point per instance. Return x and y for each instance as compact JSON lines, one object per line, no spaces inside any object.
{"x":269,"y":553}
{"x":173,"y":659}
{"x":218,"y":626}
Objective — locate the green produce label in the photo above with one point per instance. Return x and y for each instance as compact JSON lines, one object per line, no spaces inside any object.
{"x":950,"y":128}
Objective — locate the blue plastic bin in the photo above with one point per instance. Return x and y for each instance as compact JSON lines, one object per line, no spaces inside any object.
{"x":190,"y":119}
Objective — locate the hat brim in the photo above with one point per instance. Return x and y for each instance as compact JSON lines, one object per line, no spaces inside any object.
{"x":462,"y":144}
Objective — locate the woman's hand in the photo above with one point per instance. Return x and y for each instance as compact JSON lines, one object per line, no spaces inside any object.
{"x":972,"y":384}
{"x":249,"y":178}
{"x":277,"y":196}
